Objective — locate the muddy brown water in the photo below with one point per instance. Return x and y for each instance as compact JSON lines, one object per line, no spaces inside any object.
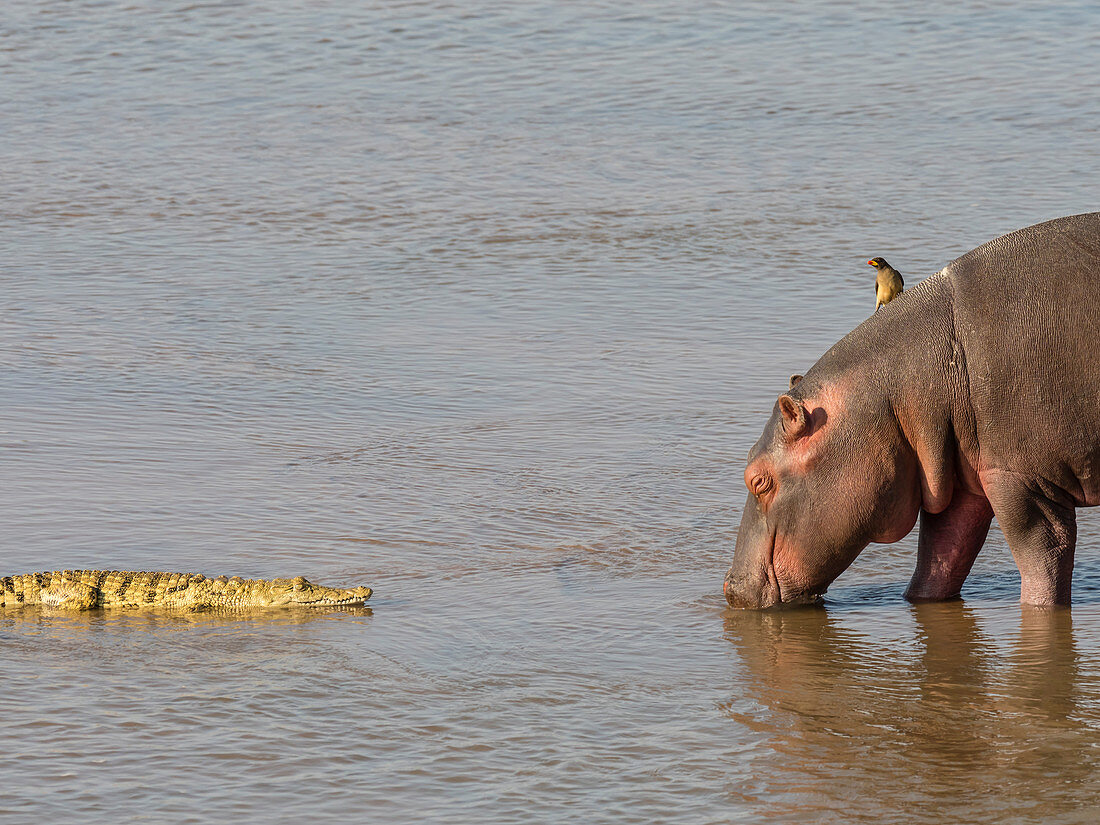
{"x":482,"y":305}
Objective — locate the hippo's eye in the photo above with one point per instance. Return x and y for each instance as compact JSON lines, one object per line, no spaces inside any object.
{"x":760,"y":485}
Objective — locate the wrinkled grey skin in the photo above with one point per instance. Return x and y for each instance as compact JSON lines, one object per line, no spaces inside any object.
{"x":976,"y":393}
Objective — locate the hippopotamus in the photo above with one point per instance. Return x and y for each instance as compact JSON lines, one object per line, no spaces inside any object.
{"x":975,"y":394}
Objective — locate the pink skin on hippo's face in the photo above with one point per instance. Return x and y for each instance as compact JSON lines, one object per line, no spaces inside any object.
{"x":823,"y":482}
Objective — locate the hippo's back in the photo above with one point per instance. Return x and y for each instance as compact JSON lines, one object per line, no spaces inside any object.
{"x":1026,"y":310}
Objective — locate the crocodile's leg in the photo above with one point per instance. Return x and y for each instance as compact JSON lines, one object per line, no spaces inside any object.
{"x":69,"y":594}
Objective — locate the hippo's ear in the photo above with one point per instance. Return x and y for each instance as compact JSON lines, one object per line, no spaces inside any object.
{"x":794,"y":380}
{"x":796,"y":421}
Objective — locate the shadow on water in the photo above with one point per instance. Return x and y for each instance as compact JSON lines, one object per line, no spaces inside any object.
{"x":907,"y":710}
{"x":1000,"y":585}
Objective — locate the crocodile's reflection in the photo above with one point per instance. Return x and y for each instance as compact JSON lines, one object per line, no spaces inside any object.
{"x":165,"y":619}
{"x":920,"y":705}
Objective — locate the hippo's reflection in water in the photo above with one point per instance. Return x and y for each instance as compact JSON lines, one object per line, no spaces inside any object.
{"x":913,"y":715}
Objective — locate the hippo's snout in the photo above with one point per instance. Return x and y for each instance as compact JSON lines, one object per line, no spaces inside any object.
{"x":764,"y":597}
{"x":751,"y":595}
{"x":750,"y":582}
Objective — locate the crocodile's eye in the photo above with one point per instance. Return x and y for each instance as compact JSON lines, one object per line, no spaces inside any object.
{"x":299,"y":582}
{"x":760,"y":484}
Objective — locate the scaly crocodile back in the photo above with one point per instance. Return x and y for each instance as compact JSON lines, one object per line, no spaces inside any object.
{"x":82,"y":589}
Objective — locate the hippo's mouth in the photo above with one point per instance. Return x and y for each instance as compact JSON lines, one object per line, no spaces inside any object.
{"x":803,"y":598}
{"x":759,"y":587}
{"x":771,"y":599}
{"x":755,"y":581}
{"x":795,"y":596}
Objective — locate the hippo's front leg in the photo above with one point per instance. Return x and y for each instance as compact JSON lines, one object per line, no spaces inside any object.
{"x":1041,"y":533}
{"x":948,"y":544}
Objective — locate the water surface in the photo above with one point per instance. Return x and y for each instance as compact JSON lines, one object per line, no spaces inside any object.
{"x":483,"y":307}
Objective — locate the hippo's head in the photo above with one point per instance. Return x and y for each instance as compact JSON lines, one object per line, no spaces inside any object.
{"x":831,"y":473}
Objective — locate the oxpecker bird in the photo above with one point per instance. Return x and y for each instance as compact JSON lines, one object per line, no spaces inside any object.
{"x":888,"y":283}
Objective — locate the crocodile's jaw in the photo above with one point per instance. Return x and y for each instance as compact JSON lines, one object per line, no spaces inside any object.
{"x":356,"y":596}
{"x":306,"y":594}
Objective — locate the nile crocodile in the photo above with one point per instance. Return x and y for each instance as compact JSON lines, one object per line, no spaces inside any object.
{"x":85,"y":589}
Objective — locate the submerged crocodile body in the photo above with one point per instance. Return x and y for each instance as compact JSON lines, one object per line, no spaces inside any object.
{"x":87,"y":589}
